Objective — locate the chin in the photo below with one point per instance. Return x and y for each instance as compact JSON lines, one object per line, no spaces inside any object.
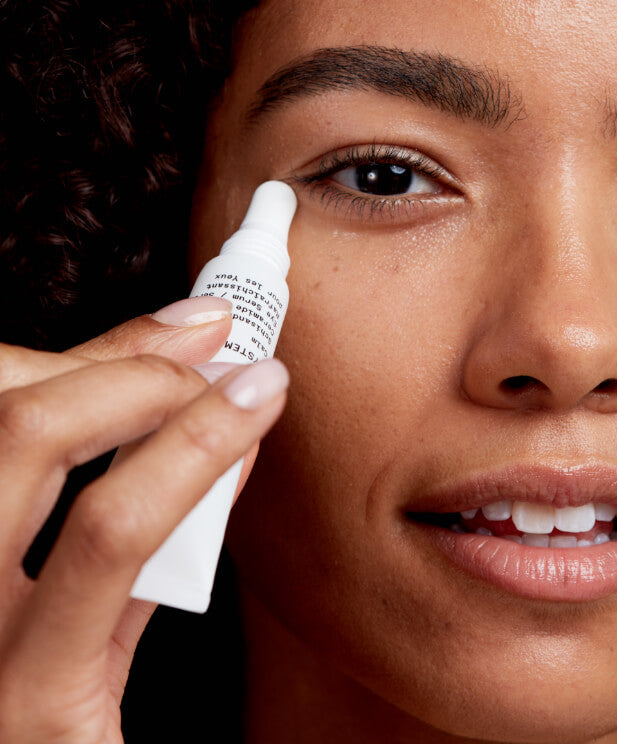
{"x":495,"y":701}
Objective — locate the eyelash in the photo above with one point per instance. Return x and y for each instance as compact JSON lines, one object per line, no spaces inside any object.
{"x":356,"y":204}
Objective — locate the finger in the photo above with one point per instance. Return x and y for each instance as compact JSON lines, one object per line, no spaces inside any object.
{"x":213,"y":372}
{"x":123,"y":517}
{"x":137,"y":613}
{"x":20,"y":366}
{"x":247,"y":462}
{"x":124,"y":642}
{"x":189,"y":331}
{"x":54,"y":425}
{"x":247,"y":466}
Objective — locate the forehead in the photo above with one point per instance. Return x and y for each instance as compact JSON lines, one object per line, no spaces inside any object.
{"x":533,"y":42}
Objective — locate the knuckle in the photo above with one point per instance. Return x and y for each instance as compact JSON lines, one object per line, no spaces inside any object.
{"x":107,"y":535}
{"x":128,"y":339}
{"x":12,"y":360}
{"x":23,"y":415}
{"x":211,"y":442}
{"x":170,"y":370}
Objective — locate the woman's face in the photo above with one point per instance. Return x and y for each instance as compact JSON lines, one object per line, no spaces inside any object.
{"x":452,"y":341}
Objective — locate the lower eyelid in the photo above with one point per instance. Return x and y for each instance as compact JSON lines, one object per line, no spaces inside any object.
{"x":358,"y":206}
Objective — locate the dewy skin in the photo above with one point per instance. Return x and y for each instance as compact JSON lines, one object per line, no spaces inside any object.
{"x":250,"y":272}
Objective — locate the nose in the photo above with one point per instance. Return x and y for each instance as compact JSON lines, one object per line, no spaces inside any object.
{"x":547,"y":336}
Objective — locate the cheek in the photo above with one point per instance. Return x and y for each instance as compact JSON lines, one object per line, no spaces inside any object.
{"x":369,"y":341}
{"x":375,"y":329}
{"x":375,"y":337}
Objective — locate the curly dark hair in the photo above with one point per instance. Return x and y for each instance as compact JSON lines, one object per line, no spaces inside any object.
{"x":103,"y":110}
{"x":102,"y":115}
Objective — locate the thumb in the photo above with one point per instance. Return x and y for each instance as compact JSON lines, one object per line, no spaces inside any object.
{"x":189,"y":331}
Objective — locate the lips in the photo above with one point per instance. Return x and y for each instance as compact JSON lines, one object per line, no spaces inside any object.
{"x":571,"y":486}
{"x":536,"y":531}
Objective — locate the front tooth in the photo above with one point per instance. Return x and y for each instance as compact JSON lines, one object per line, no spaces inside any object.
{"x":497,"y":511}
{"x":469,"y":514}
{"x":575,"y":518}
{"x":540,"y":541}
{"x":605,"y":512}
{"x":538,"y":519}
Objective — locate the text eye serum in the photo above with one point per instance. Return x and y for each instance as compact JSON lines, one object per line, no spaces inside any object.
{"x":250,"y":272}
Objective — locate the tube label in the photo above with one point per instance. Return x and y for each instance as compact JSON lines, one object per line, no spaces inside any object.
{"x":259,"y":296}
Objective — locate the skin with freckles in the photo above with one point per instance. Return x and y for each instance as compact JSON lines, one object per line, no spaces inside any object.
{"x":409,"y":318}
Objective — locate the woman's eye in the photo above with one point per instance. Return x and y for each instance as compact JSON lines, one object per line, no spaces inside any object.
{"x":386,"y":179}
{"x":373,"y":182}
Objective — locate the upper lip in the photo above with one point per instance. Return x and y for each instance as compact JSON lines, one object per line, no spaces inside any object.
{"x":559,"y":487}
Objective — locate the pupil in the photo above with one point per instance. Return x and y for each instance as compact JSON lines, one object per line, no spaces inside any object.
{"x":383,"y":178}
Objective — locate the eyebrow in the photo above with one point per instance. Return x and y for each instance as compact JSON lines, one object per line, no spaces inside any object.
{"x":435,"y":80}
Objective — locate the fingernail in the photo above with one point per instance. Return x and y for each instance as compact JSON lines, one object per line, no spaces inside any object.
{"x":194,"y":311}
{"x":257,"y":384}
{"x":213,"y":371}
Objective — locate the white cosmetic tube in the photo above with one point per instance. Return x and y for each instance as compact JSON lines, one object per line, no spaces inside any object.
{"x":250,"y":272}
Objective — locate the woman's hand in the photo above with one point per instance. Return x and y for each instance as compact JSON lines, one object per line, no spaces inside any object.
{"x":67,"y":639}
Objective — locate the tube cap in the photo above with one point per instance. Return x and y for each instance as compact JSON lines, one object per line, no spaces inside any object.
{"x":265,"y":228}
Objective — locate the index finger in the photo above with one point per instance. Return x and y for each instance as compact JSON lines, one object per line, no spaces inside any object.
{"x":119,"y":520}
{"x":20,"y":366}
{"x":189,"y":331}
{"x":200,"y":326}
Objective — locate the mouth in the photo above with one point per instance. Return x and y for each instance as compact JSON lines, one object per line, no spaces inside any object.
{"x":536,"y":532}
{"x":528,"y":523}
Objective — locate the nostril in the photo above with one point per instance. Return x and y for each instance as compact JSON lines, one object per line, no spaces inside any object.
{"x":522,"y":384}
{"x":607,"y":387}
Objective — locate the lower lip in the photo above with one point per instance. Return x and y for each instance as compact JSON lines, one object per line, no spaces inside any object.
{"x":559,"y":574}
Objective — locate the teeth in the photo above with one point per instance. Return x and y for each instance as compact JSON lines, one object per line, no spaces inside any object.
{"x":537,"y":522}
{"x":605,"y":512}
{"x":575,"y":518}
{"x":483,"y":531}
{"x":540,"y":541}
{"x":536,"y":519}
{"x":562,"y":541}
{"x":498,"y":511}
{"x":545,"y":541}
